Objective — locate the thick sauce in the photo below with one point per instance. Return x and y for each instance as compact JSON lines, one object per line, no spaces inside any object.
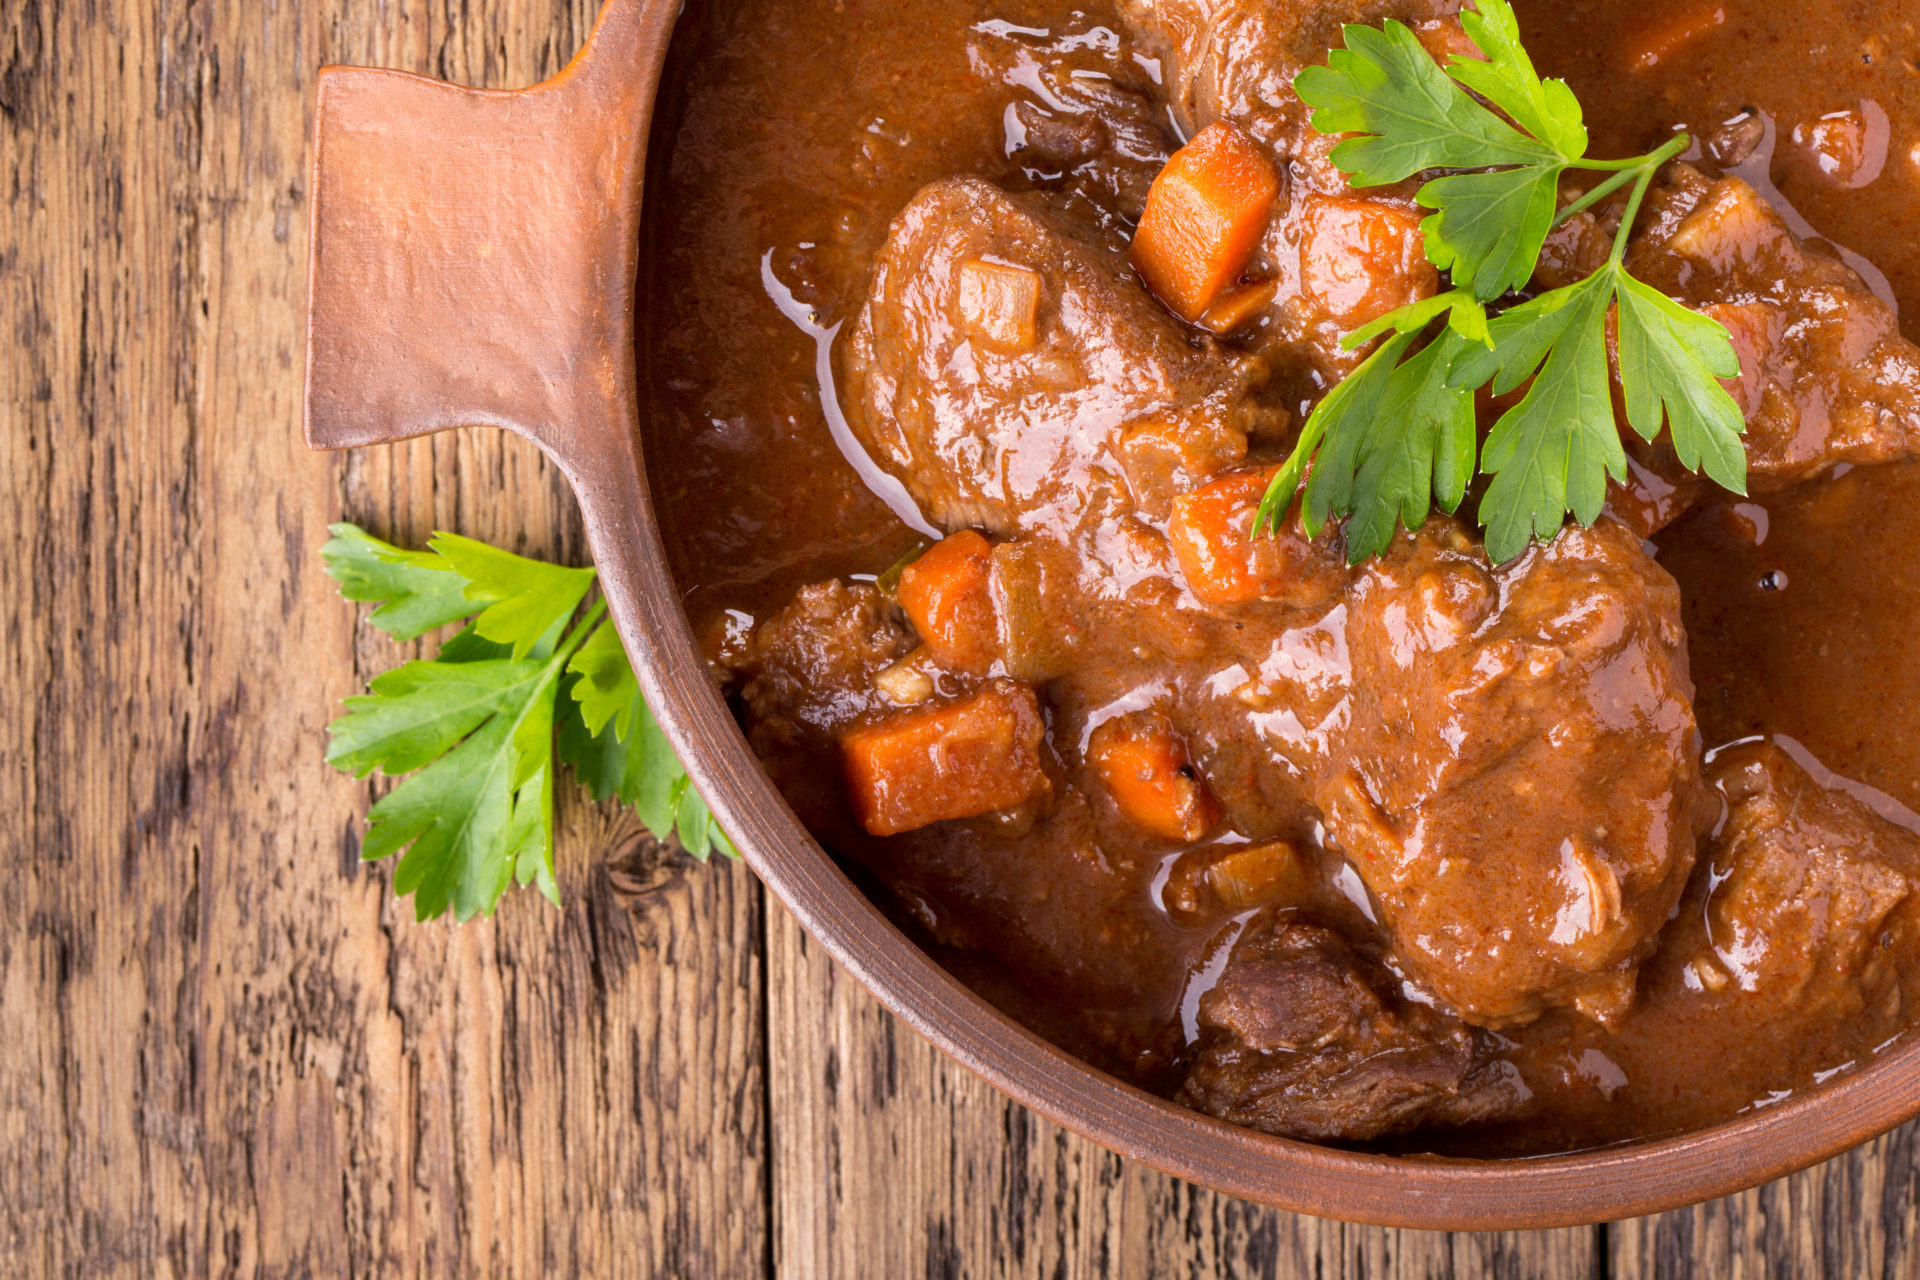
{"x":1813,"y":74}
{"x":1800,"y":607}
{"x":776,"y":178}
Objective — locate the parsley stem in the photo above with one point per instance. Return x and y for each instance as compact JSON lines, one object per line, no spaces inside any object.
{"x":580,"y":633}
{"x":1627,"y":215}
{"x":1668,"y":150}
{"x":1595,"y":196}
{"x":1658,"y":156}
{"x":1623,"y":171}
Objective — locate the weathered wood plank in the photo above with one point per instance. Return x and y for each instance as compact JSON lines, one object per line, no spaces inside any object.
{"x":890,"y":1160}
{"x":228,"y":1050}
{"x":1853,"y":1216}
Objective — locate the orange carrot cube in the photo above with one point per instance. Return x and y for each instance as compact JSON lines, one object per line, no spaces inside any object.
{"x":957,"y":760}
{"x":1211,"y":532}
{"x":1238,"y":306}
{"x":1204,"y":216}
{"x":945,"y":595}
{"x":1145,"y":767}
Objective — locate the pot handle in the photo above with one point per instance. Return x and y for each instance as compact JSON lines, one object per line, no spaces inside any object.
{"x":473,"y":251}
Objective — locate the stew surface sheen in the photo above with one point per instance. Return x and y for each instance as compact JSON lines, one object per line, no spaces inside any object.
{"x":1400,"y":902}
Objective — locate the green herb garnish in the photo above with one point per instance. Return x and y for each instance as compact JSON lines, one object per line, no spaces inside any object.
{"x":476,"y":725}
{"x":1396,"y":436}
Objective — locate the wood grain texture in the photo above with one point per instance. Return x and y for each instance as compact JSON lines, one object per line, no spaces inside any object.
{"x":226,"y":1050}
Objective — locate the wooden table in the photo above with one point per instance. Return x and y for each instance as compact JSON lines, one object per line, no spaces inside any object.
{"x":223,"y":1047}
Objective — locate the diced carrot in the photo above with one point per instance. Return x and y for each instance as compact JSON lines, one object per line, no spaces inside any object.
{"x":1211,"y":534}
{"x":1363,"y":257}
{"x":1204,"y":215}
{"x":946,"y":597}
{"x":1000,"y":304}
{"x":1146,"y":769}
{"x":1663,"y":41}
{"x":956,"y":760}
{"x":1237,"y":306}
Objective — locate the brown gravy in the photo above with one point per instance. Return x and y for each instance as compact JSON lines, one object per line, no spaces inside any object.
{"x":1799,"y":606}
{"x":775,"y":178}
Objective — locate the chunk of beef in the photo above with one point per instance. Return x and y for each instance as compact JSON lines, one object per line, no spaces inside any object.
{"x":1306,"y":1038}
{"x":1518,"y":782}
{"x":1825,"y":376}
{"x":1335,"y":258}
{"x":809,"y":668}
{"x":804,"y":675}
{"x":1236,"y":59}
{"x":1087,"y":120}
{"x":1790,"y":955}
{"x":1021,"y":437}
{"x":1807,"y":898}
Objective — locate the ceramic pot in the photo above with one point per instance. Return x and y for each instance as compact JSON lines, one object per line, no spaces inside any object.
{"x":474,"y":257}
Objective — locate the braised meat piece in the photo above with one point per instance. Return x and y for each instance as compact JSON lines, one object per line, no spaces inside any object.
{"x":1306,"y":1038}
{"x":1519,"y":779}
{"x":1088,"y":121}
{"x":1507,"y":755}
{"x":1331,"y":258}
{"x":1826,"y":378}
{"x":806,"y":674}
{"x":1805,"y":897}
{"x":1001,"y":355}
{"x":1791,"y":953}
{"x":809,"y":669}
{"x":1236,"y":59}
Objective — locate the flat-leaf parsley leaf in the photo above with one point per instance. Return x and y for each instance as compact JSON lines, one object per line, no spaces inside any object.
{"x":476,"y":725}
{"x":1396,"y":437}
{"x":634,"y":761}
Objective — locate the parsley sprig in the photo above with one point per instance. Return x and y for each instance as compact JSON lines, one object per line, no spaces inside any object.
{"x":476,"y":725}
{"x":1397,"y":436}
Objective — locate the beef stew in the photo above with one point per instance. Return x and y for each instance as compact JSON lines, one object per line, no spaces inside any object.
{"x":1429,"y":852}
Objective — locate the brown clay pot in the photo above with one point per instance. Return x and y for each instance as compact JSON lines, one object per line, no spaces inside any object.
{"x":474,"y":258}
